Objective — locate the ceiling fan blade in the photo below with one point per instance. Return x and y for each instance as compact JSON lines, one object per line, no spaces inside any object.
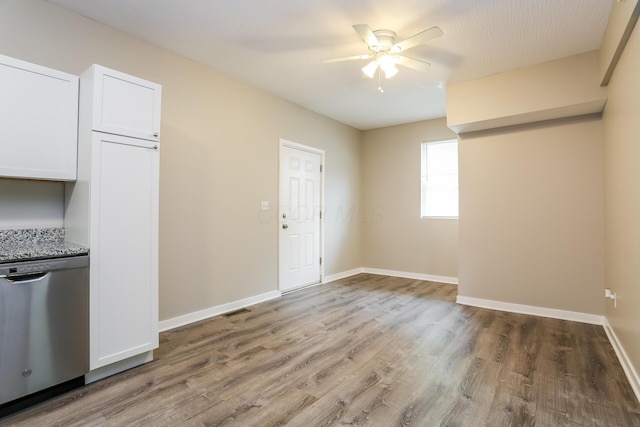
{"x":416,"y":64}
{"x":346,"y":58}
{"x":367,"y":35}
{"x":420,"y":38}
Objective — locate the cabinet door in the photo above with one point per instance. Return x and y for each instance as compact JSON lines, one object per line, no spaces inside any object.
{"x":38,"y":121}
{"x":125,"y":105}
{"x":124,"y":248}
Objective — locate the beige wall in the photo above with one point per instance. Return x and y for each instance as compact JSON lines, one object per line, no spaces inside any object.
{"x":395,"y":237}
{"x":622,"y":202}
{"x":220,"y":141}
{"x":531,"y":215}
{"x":562,"y":88}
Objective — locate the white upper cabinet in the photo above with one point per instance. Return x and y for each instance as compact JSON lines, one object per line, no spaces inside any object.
{"x":38,"y":121}
{"x":123,"y":104}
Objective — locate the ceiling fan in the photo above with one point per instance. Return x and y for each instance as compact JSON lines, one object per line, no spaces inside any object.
{"x":386,"y":53}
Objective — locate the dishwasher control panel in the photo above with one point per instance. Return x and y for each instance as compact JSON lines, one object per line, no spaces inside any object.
{"x":42,"y":266}
{"x":31,"y":268}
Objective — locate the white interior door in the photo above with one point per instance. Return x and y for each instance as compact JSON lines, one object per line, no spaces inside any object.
{"x":299,"y":216}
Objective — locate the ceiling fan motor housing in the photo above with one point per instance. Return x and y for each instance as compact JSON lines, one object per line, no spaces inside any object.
{"x":386,"y":39}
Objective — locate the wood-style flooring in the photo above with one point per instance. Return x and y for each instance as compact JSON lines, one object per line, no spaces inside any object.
{"x":364,"y":351}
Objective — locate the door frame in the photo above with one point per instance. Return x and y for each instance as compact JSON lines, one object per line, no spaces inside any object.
{"x":284,"y":143}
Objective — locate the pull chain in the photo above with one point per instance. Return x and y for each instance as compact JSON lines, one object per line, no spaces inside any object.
{"x":379,"y":83}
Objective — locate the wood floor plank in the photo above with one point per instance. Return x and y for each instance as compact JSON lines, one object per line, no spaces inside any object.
{"x":283,"y":409}
{"x":367,"y":350}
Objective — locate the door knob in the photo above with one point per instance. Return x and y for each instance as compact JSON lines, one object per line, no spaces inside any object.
{"x":285,"y":226}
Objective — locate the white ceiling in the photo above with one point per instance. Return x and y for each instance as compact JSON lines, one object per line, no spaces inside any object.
{"x":277,"y":45}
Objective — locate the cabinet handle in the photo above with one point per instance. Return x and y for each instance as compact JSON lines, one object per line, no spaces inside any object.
{"x":155,"y":134}
{"x":155,"y":147}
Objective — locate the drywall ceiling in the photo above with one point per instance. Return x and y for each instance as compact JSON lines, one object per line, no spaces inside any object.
{"x":277,"y":45}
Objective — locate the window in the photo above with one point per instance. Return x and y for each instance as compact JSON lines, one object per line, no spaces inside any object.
{"x":439,"y":179}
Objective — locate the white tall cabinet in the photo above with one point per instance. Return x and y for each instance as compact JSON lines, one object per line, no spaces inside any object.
{"x":113,"y":208}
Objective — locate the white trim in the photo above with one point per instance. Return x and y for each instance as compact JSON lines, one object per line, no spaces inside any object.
{"x":408,"y":275}
{"x":627,"y":366}
{"x":438,"y":217}
{"x":342,"y":275}
{"x":302,"y":147}
{"x":392,"y":273}
{"x":553,"y":313}
{"x":196,"y":316}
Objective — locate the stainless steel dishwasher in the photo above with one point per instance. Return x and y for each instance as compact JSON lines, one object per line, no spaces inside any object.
{"x":44,"y":324}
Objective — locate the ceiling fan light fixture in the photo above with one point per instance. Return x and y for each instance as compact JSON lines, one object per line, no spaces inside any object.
{"x":390,"y":71}
{"x":370,"y":69}
{"x":388,"y":65}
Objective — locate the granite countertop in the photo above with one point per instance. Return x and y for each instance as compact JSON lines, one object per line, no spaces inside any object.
{"x":36,"y":243}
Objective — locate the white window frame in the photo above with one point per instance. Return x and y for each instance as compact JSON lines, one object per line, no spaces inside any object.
{"x":424,"y":175}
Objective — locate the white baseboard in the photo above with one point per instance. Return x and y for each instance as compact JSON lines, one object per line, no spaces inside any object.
{"x":342,"y":275}
{"x":408,"y":275}
{"x":392,"y":273}
{"x":196,"y":316}
{"x":627,"y":366}
{"x":629,"y":370}
{"x":553,"y":313}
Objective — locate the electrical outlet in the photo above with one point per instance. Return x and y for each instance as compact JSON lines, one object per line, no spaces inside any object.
{"x":609,"y":294}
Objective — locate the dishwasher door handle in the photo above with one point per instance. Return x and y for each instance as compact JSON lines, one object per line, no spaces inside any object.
{"x":25,"y":278}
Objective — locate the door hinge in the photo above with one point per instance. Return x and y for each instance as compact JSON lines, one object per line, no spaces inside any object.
{"x":320,"y":260}
{"x":320,"y":214}
{"x":320,"y":168}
